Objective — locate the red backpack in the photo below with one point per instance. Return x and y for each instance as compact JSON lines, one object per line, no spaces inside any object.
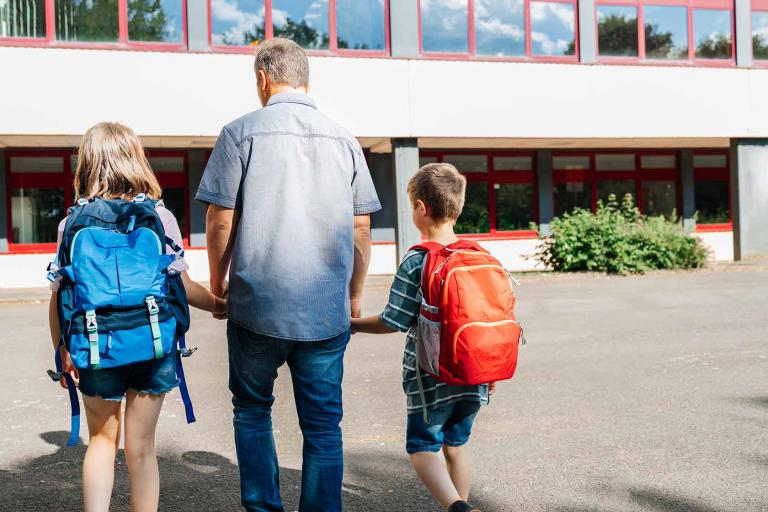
{"x":467,"y":332}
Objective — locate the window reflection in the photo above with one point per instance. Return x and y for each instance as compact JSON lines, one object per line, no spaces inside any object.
{"x":552,"y":28}
{"x":618,"y":188}
{"x":711,"y":200}
{"x":474,"y":218}
{"x":760,"y":34}
{"x":237,"y":22}
{"x":444,"y":25}
{"x":500,"y":27}
{"x":659,"y":198}
{"x":617,"y":30}
{"x":712,"y":34}
{"x":22,"y":19}
{"x":666,"y":32}
{"x":175,"y":199}
{"x":155,"y":20}
{"x":304,"y":21}
{"x":468,"y":163}
{"x":569,"y":196}
{"x":514,"y":206}
{"x":35,"y":214}
{"x":86,"y":20}
{"x":360,"y":24}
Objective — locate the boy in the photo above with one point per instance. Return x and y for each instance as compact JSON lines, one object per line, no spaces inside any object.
{"x":437,"y":197}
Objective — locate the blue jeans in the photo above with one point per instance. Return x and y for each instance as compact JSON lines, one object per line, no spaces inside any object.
{"x":317,"y":368}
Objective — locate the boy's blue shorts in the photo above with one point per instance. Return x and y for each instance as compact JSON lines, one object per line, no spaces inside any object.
{"x":153,"y":377}
{"x":449,"y":425}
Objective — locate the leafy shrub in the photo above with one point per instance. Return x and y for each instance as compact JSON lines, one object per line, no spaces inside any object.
{"x":619,"y":239}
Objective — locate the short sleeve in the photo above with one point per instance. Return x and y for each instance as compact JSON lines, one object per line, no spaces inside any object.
{"x":223,"y":174}
{"x":172,"y":231}
{"x":363,"y":192}
{"x":404,"y":301}
{"x":59,"y":237}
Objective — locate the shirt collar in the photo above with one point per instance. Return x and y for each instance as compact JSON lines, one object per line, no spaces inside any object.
{"x":292,"y":97}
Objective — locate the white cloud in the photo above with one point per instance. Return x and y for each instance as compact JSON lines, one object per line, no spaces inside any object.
{"x":548,"y":45}
{"x":229,"y":12}
{"x":541,"y":11}
{"x":497,"y":28}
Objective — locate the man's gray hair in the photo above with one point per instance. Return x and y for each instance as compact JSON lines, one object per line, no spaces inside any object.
{"x":284,"y":61}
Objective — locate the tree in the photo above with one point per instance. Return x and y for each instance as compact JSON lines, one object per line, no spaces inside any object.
{"x":617,"y":35}
{"x":661,"y":45}
{"x":303,"y":34}
{"x":717,"y":47}
{"x":760,"y":46}
{"x":146,"y":21}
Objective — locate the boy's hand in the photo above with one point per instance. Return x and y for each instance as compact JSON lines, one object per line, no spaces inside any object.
{"x":220,"y":309}
{"x":491,"y":388}
{"x":67,"y":366}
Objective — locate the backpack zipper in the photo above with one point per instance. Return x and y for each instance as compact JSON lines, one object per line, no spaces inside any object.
{"x":468,"y":269}
{"x":484,"y":324}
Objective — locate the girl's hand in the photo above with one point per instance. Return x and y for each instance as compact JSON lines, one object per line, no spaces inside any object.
{"x":67,"y":367}
{"x":220,"y":309}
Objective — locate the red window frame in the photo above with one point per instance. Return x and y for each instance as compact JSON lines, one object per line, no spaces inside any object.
{"x":722,"y":174}
{"x":639,"y":175}
{"x":333,"y":48}
{"x":472,"y":54}
{"x":758,"y":6}
{"x":63,"y":181}
{"x":690,"y":5}
{"x":491,"y":178}
{"x":122,"y":43}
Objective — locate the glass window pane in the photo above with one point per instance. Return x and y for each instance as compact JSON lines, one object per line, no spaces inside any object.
{"x":175,"y":199}
{"x":92,"y":21}
{"x":35,"y":214}
{"x":37,"y":163}
{"x":444,"y":25}
{"x":760,"y":34}
{"x":500,"y":27}
{"x":711,"y":200}
{"x":155,"y":20}
{"x":468,"y":163}
{"x":553,"y":28}
{"x":658,"y":162}
{"x":360,"y":24}
{"x":237,"y":22}
{"x":709,"y":161}
{"x":304,"y":21}
{"x":570,"y":163}
{"x":474,"y":217}
{"x":619,"y":188}
{"x":666,"y":32}
{"x":22,"y":19}
{"x":572,"y":195}
{"x":712,"y":33}
{"x":514,"y":206}
{"x":424,"y":160}
{"x":167,"y":163}
{"x":512,"y":163}
{"x":617,"y":30}
{"x":615,"y":162}
{"x":659,"y":198}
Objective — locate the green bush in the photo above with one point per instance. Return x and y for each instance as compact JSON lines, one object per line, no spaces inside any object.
{"x":618,"y":239}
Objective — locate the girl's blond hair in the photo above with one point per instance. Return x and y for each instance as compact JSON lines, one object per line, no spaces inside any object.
{"x":111,"y":164}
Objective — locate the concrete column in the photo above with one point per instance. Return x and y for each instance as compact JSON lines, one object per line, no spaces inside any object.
{"x":3,"y":205}
{"x":383,"y":222}
{"x":197,"y":25}
{"x":688,"y":192}
{"x":404,"y":28}
{"x":546,"y":191}
{"x":587,"y":32}
{"x":196,"y":165}
{"x":743,"y":22}
{"x":405,"y":163}
{"x":749,"y":196}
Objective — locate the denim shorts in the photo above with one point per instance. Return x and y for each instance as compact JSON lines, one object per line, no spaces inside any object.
{"x":448,"y":425}
{"x":153,"y":377}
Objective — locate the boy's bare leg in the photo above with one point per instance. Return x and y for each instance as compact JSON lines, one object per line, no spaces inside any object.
{"x":434,"y":473}
{"x":459,"y":462}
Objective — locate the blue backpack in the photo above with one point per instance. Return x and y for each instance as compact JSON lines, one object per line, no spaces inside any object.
{"x":118,"y":301}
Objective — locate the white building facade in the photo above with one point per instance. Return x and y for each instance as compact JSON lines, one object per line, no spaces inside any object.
{"x":545,"y":105}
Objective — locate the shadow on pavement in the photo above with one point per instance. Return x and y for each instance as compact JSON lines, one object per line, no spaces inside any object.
{"x":761,"y":401}
{"x":204,"y":481}
{"x":652,"y":500}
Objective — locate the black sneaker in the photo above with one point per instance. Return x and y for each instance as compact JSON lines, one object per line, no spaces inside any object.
{"x":462,"y":506}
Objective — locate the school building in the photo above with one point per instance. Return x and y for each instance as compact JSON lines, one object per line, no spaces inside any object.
{"x":545,"y":105}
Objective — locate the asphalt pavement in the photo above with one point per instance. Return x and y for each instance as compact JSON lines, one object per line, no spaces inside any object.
{"x":645,"y":393}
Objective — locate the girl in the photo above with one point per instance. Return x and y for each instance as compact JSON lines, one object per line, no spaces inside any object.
{"x":111,"y":165}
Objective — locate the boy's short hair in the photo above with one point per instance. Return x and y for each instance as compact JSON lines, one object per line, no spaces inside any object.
{"x":441,"y":188}
{"x":284,"y":61}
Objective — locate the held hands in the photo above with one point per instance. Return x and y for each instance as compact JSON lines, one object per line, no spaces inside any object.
{"x":221,"y":293}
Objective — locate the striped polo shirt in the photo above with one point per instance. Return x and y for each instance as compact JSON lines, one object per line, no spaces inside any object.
{"x":401,"y":314}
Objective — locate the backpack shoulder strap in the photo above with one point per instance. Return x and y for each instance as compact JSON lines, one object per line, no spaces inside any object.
{"x":427,"y":246}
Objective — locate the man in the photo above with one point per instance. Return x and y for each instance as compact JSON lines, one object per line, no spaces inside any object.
{"x":289,"y":196}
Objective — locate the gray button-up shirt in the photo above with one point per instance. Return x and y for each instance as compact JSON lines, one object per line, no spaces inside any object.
{"x":297,"y":179}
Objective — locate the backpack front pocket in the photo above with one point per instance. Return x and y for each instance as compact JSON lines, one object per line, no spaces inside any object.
{"x":428,"y":345}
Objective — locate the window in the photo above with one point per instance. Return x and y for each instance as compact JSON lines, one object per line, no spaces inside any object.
{"x":760,"y":30}
{"x":361,"y":24}
{"x":156,"y":21}
{"x":35,"y":215}
{"x":711,"y":189}
{"x":22,"y":20}
{"x":501,"y":194}
{"x":170,"y":167}
{"x":651,"y":178}
{"x":672,"y":30}
{"x":237,"y":22}
{"x":304,"y":21}
{"x":497,"y":28}
{"x":93,"y":21}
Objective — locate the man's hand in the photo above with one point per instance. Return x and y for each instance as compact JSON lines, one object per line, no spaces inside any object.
{"x":67,"y":367}
{"x":362,"y":226}
{"x":222,"y":293}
